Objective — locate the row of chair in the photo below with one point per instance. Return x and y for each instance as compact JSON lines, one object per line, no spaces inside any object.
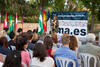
{"x":85,"y":57}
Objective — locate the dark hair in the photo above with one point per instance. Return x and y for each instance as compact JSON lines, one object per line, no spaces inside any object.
{"x":4,"y":42}
{"x":48,"y":42}
{"x":13,"y":59}
{"x":35,"y":38}
{"x":35,"y":30}
{"x":12,"y":35}
{"x":54,"y":37}
{"x":19,"y":30}
{"x":6,"y":29}
{"x":40,"y":51}
{"x":24,"y":34}
{"x":29,"y":31}
{"x":20,"y":42}
{"x":29,"y":36}
{"x":73,"y":43}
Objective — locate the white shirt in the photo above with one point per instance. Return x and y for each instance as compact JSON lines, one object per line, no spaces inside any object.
{"x":1,"y":64}
{"x":48,"y":62}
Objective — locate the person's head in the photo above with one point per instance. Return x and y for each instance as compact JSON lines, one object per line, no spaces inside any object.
{"x":29,"y":31}
{"x":21,"y":43}
{"x":65,"y":39}
{"x":6,"y":30}
{"x":4,"y":42}
{"x":90,"y":37}
{"x":20,"y":31}
{"x":73,"y":43}
{"x":30,"y":37}
{"x":13,"y":59}
{"x":55,"y":18}
{"x":54,"y":37}
{"x":12,"y":35}
{"x":35,"y":30}
{"x":40,"y":51}
{"x":48,"y":42}
{"x":42,"y":36}
{"x":35,"y":38}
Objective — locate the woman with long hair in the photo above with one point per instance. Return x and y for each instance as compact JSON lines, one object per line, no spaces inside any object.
{"x":4,"y":45}
{"x":21,"y":45}
{"x":73,"y":45}
{"x":40,"y":57}
{"x":13,"y":59}
{"x":48,"y":43}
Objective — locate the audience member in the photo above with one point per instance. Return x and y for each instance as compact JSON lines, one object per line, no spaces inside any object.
{"x":82,"y":40}
{"x":21,"y":45}
{"x":48,"y":44}
{"x":35,"y":38}
{"x":35,"y":30}
{"x":40,"y":57}
{"x":73,"y":45}
{"x":64,"y":51}
{"x":29,"y":31}
{"x":6,"y":31}
{"x":55,"y":40}
{"x":13,"y":59}
{"x":90,"y":48}
{"x":11,"y":43}
{"x":20,"y":31}
{"x":41,"y":39}
{"x":30,"y":38}
{"x":1,"y":60}
{"x":4,"y":46}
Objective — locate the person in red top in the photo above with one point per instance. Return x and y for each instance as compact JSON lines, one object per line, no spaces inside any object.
{"x":48,"y":44}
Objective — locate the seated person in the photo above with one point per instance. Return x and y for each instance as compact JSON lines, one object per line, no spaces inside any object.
{"x":40,"y":57}
{"x":65,"y":51}
{"x":13,"y":59}
{"x":11,"y":43}
{"x":90,"y":48}
{"x":4,"y":45}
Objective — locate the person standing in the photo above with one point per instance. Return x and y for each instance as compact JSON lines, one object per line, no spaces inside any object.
{"x":55,"y":24}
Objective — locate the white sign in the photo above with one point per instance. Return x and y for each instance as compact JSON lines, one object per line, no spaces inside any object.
{"x":73,"y":23}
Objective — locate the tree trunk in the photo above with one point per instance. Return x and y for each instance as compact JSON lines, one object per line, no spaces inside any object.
{"x":92,"y":23}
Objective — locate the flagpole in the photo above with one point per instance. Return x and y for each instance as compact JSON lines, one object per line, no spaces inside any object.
{"x":0,"y":23}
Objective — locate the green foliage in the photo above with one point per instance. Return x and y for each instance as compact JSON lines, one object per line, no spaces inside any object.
{"x":30,"y":20}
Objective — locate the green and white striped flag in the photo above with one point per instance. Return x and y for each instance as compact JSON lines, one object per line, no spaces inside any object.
{"x":40,"y":30}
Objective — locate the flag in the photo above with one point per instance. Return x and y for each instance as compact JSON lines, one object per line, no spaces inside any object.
{"x":5,"y":21}
{"x":0,"y":20}
{"x":16,"y":23}
{"x":48,"y":23}
{"x":44,"y":21}
{"x":40,"y":30}
{"x":21,"y":25}
{"x":10,"y":24}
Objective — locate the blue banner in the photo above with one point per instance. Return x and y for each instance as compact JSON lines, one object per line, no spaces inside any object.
{"x":81,"y":15}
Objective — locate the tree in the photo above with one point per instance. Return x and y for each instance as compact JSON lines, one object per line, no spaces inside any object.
{"x":93,"y":6}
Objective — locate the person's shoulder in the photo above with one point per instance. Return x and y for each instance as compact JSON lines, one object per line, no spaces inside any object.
{"x":82,"y":46}
{"x":72,"y":52}
{"x":24,"y":53}
{"x":49,"y":59}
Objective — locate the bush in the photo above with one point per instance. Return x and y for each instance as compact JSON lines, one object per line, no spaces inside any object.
{"x":25,"y":19}
{"x":30,"y":20}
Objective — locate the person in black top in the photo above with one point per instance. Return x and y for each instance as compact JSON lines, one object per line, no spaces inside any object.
{"x":11,"y":43}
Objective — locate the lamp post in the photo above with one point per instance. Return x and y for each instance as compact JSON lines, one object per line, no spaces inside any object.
{"x":65,"y":4}
{"x":99,"y":37}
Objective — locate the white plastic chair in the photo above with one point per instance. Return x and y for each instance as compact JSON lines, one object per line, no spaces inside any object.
{"x":24,"y":64}
{"x":64,"y":62}
{"x":86,"y":59}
